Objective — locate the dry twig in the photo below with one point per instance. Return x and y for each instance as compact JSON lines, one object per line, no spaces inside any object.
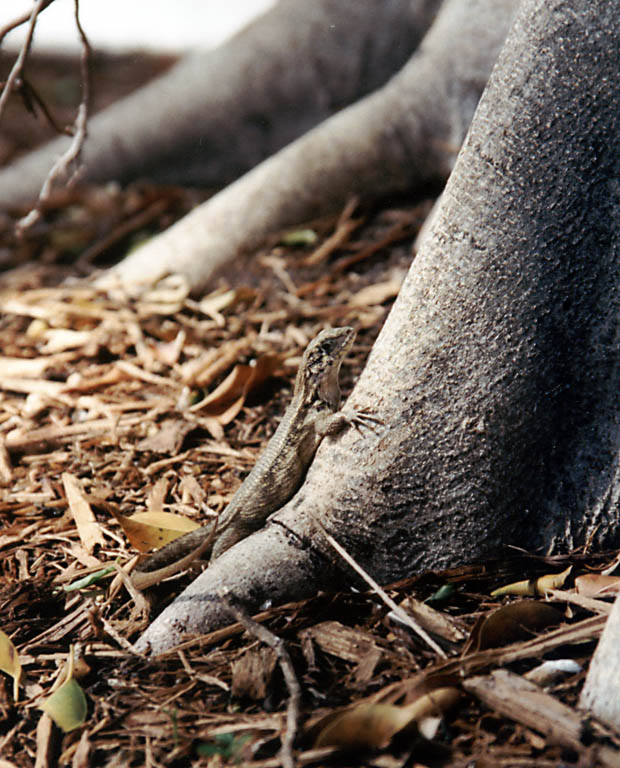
{"x":22,"y":19}
{"x":72,"y":154}
{"x":18,"y":66}
{"x":265,"y":636}
{"x":402,"y":615}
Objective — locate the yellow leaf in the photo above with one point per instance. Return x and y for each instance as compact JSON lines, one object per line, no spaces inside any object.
{"x":526,"y":587}
{"x":9,"y":662}
{"x":552,"y":581}
{"x":534,"y":586}
{"x":67,"y":706}
{"x":152,"y":530}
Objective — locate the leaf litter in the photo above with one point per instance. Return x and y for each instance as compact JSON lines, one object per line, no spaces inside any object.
{"x":152,"y":410}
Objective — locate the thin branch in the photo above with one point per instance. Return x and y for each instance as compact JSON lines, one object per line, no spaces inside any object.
{"x":18,"y":66}
{"x":273,"y":641}
{"x":72,"y":155}
{"x":4,"y":31}
{"x":33,"y":100}
{"x":402,"y":615}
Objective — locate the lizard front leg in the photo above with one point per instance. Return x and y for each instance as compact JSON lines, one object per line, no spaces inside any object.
{"x":330,"y":424}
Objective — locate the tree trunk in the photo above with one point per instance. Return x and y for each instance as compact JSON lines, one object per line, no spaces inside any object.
{"x":497,"y":371}
{"x":217,"y":114}
{"x":404,"y":136}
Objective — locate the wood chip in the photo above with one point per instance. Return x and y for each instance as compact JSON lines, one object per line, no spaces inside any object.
{"x":88,"y":527}
{"x":526,"y":703}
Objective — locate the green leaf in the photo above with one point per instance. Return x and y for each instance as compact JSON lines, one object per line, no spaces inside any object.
{"x":300,"y":237}
{"x":442,"y":594}
{"x":89,"y":580}
{"x":67,"y":706}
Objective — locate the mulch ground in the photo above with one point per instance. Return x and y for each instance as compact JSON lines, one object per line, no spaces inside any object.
{"x":111,"y":406}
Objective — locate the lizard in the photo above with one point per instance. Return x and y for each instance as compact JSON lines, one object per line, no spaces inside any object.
{"x":314,"y":412}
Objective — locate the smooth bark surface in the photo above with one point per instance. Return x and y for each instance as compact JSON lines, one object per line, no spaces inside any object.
{"x":403,"y":136}
{"x":217,"y":114}
{"x":497,"y":371}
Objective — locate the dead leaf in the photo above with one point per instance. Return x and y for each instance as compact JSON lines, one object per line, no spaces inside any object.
{"x":597,"y":585}
{"x":440,"y":624}
{"x":511,"y":623}
{"x":81,"y":756}
{"x":44,"y":741}
{"x":215,"y":303}
{"x":9,"y":661}
{"x":152,"y":530}
{"x":552,"y":670}
{"x":168,"y":439}
{"x":228,"y":398}
{"x":191,"y":491}
{"x":372,"y":726}
{"x":6,"y":468}
{"x":375,"y":294}
{"x":341,"y":641}
{"x":88,"y":528}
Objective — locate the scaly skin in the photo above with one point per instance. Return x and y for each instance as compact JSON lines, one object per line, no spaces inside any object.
{"x":281,"y":468}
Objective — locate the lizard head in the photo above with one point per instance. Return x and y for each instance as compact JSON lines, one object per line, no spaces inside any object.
{"x":320,"y":365}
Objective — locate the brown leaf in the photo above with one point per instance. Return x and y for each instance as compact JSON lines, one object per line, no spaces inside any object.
{"x":228,"y":398}
{"x":372,"y":726}
{"x":168,"y":439}
{"x":511,"y":623}
{"x":597,"y":584}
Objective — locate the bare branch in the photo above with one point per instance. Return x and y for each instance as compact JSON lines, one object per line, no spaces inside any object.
{"x":18,"y":66}
{"x":33,"y":100}
{"x":71,"y":156}
{"x":408,"y":620}
{"x":4,"y":31}
{"x":273,"y":641}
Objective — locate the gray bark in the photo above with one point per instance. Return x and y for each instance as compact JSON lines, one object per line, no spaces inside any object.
{"x":217,"y":114}
{"x":403,"y":136}
{"x":497,"y":371}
